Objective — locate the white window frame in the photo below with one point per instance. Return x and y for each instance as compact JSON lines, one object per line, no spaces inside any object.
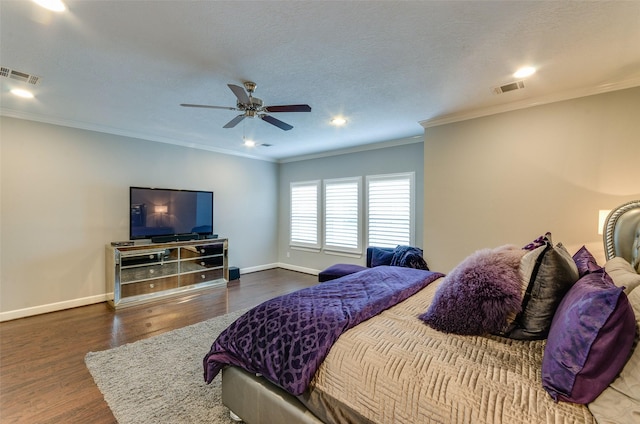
{"x":337,"y":215}
{"x":408,"y":224}
{"x":299,"y":241}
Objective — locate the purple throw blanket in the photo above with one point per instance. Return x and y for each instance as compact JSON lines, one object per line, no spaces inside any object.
{"x":286,"y":339}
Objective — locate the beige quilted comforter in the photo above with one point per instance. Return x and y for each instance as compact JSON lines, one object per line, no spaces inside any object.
{"x":395,"y":369}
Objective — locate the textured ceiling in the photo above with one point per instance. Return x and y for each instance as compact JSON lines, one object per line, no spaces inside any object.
{"x":124,"y":67}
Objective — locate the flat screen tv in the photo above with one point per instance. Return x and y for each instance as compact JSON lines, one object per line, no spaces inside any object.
{"x":166,"y":212}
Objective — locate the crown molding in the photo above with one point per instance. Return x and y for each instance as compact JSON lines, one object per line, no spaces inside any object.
{"x":12,"y":113}
{"x":508,"y":107}
{"x":356,"y":149}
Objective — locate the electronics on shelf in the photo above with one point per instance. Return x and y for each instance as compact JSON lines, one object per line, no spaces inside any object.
{"x":164,"y":215}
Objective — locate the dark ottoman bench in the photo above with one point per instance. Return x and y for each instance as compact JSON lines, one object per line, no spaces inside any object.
{"x":338,"y":270}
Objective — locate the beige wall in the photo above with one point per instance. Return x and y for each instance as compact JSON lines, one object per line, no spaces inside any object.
{"x":510,"y":177}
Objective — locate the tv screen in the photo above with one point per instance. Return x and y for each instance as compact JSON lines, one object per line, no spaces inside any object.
{"x":165,"y":212}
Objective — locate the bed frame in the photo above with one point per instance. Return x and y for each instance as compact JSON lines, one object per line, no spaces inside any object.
{"x":253,"y":399}
{"x":622,"y":232}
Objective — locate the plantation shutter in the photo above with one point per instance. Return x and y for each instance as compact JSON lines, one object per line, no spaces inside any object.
{"x":390,"y":210}
{"x":304,"y":214}
{"x":342,"y":215}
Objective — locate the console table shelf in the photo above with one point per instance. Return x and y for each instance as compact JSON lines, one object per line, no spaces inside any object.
{"x":141,"y":273}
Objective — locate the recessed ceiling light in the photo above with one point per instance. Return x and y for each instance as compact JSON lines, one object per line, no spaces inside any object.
{"x":22,"y":93}
{"x":53,"y":5}
{"x":249,"y":143}
{"x":527,"y":71}
{"x":339,"y":121}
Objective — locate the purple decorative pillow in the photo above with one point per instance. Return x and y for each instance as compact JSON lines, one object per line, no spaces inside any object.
{"x":585,"y":262}
{"x":591,"y":336}
{"x":481,"y":295}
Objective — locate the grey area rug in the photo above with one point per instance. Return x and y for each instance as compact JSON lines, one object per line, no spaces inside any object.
{"x":160,"y":379}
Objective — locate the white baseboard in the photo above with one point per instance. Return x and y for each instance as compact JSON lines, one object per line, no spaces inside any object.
{"x":251,"y":269}
{"x":84,"y":301}
{"x":299,"y":269}
{"x":52,"y":307}
{"x":279,"y":265}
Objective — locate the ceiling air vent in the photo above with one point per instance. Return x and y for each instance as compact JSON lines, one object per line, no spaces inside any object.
{"x":517,"y":85}
{"x":19,"y":76}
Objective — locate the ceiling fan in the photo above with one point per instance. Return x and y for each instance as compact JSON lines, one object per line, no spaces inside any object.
{"x":252,"y":106}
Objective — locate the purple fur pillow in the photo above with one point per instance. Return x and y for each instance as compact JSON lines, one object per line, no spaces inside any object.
{"x":483,"y":294}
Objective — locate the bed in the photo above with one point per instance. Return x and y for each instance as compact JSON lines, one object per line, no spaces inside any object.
{"x":501,"y":339}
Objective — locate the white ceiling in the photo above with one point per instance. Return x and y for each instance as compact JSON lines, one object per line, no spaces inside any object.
{"x":123,"y":67}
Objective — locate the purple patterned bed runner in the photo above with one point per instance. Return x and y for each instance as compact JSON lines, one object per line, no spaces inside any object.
{"x":285,"y":339}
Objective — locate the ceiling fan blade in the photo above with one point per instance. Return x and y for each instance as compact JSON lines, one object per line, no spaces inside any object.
{"x":208,"y":107}
{"x":235,"y":121}
{"x":288,"y":108}
{"x":240,"y":94}
{"x":278,"y":123}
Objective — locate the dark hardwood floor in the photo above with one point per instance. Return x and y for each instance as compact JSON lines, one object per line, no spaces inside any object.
{"x":43,"y":378}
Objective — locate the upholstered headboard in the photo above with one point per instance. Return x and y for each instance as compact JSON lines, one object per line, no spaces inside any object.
{"x":622,"y":233}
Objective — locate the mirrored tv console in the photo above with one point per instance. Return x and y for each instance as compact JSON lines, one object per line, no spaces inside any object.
{"x":140,"y":273}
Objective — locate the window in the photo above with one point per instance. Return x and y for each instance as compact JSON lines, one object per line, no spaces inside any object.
{"x":390,"y":210}
{"x":389,"y":213}
{"x":304,"y":214}
{"x":342,"y":215}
